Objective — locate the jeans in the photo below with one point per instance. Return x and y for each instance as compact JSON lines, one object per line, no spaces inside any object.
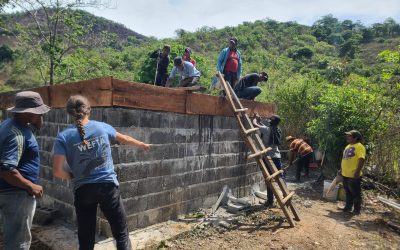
{"x":107,"y":195}
{"x":303,"y":162}
{"x":270,"y":194}
{"x":17,"y":209}
{"x":352,"y":187}
{"x":231,"y":77}
{"x":161,"y":79}
{"x":248,"y":93}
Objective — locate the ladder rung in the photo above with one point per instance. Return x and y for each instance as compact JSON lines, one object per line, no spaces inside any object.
{"x":241,"y":110}
{"x":274,"y":175}
{"x":287,"y":198}
{"x":249,"y":131}
{"x":258,"y":153}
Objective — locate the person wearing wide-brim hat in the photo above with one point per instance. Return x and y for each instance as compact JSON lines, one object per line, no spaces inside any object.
{"x":19,"y":168}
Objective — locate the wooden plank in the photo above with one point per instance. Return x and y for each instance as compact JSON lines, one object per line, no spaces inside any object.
{"x":98,"y":91}
{"x":145,"y":96}
{"x":207,"y":105}
{"x":7,"y":98}
{"x":263,"y":109}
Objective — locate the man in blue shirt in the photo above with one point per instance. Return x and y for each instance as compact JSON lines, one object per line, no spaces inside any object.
{"x":188,"y":73}
{"x":19,"y":168}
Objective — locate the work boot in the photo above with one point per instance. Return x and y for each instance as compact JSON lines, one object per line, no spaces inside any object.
{"x":269,"y":203}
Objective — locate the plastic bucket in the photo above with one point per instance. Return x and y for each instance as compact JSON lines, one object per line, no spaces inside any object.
{"x":332,"y":195}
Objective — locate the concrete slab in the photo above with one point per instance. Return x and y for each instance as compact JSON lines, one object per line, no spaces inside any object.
{"x":62,"y":237}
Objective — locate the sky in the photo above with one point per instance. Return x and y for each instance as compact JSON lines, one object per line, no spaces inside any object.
{"x":161,"y":18}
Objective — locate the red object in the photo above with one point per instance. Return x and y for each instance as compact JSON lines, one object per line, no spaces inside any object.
{"x":232,"y":63}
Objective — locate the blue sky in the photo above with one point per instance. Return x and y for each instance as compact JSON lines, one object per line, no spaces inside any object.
{"x":161,"y":18}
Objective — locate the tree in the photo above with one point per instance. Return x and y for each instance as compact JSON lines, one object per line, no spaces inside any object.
{"x":343,"y":108}
{"x":54,"y":32}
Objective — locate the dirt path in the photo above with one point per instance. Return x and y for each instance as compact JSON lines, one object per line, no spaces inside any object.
{"x":323,"y":226}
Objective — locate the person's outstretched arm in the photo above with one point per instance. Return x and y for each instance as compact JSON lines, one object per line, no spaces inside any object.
{"x":58,"y":168}
{"x":126,"y":139}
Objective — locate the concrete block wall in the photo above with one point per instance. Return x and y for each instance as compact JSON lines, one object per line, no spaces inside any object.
{"x":192,"y":158}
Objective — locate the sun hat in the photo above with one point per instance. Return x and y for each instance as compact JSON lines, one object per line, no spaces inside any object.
{"x":29,"y":102}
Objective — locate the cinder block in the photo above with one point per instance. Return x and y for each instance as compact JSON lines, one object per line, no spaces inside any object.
{"x":149,"y":217}
{"x":44,"y":215}
{"x":170,"y":212}
{"x":131,"y":171}
{"x":135,"y":205}
{"x":103,"y":227}
{"x":158,"y":200}
{"x":129,"y":189}
{"x":132,"y":222}
{"x":150,"y":185}
{"x":172,"y":181}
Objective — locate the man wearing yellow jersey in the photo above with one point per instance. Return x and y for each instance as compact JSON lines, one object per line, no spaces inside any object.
{"x":351,"y":170}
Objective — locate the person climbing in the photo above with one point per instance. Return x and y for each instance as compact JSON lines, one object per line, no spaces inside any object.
{"x":270,"y":135}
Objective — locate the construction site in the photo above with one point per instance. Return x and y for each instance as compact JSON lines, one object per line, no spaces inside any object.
{"x":203,"y":183}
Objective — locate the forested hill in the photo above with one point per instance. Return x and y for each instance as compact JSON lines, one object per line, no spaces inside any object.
{"x":330,"y":48}
{"x":97,"y":26}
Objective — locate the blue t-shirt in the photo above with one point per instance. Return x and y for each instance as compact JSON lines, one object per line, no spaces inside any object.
{"x":18,"y":150}
{"x":91,"y":163}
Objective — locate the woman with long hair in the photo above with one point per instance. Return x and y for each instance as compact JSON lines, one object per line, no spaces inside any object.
{"x":86,"y":147}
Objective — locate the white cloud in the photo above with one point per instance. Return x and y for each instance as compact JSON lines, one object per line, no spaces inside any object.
{"x":160,"y":18}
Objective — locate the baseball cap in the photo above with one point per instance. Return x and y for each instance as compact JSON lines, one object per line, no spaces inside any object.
{"x":178,"y":61}
{"x":354,"y":133}
{"x":188,"y":50}
{"x":289,"y":138}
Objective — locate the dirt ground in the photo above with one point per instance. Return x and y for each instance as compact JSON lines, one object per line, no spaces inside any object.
{"x":322,"y":226}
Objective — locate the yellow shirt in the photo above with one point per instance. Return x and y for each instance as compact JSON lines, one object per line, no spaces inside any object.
{"x":351,"y":154}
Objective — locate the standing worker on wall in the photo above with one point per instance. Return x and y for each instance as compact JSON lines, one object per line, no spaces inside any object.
{"x":351,"y":170}
{"x":19,"y":169}
{"x":230,"y":62}
{"x":162,"y":65}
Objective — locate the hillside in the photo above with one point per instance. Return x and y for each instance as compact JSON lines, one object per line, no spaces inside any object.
{"x":98,"y":25}
{"x":330,"y":48}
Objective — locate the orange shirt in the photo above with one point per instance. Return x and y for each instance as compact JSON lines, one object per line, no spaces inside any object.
{"x":300,"y":146}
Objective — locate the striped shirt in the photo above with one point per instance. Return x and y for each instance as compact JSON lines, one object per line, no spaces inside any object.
{"x":300,"y":146}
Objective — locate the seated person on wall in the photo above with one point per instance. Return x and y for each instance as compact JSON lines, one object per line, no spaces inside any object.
{"x":247,"y":87}
{"x":189,"y":74}
{"x":186,"y":56}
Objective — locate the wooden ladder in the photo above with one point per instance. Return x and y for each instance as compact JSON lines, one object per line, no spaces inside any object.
{"x":254,"y":142}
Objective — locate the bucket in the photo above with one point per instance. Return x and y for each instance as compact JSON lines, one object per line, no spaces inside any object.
{"x":332,"y":194}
